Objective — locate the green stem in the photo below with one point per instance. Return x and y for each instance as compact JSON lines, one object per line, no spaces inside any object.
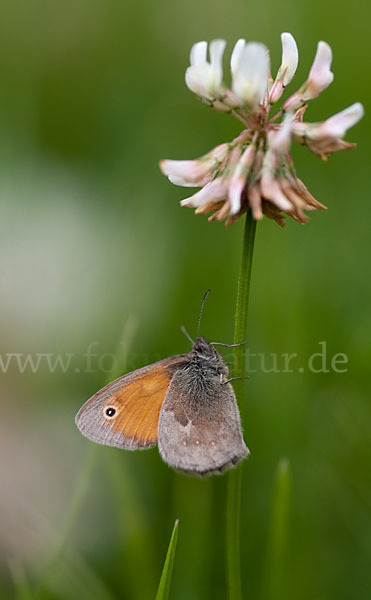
{"x":240,"y":324}
{"x":235,"y":476}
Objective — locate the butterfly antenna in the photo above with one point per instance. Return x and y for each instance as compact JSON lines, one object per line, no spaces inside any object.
{"x":183,"y":330}
{"x":202,"y":308}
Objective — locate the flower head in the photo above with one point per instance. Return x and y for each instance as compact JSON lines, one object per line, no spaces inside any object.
{"x":255,"y":170}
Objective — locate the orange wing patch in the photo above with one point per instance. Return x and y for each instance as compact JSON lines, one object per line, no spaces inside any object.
{"x":138,"y":404}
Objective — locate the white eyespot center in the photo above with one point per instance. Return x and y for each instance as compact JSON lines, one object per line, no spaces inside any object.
{"x":109,"y":412}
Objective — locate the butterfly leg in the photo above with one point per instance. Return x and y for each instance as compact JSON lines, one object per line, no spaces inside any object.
{"x":228,"y":345}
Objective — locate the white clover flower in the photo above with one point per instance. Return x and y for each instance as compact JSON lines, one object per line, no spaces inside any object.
{"x":255,"y":170}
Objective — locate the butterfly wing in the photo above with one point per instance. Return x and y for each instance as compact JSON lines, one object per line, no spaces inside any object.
{"x":125,"y":413}
{"x":200,"y":432}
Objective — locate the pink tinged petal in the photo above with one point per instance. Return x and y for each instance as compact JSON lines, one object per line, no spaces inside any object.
{"x":255,"y":202}
{"x":234,"y":195}
{"x":295,"y":101}
{"x":289,"y":63}
{"x":290,"y":58}
{"x":195,"y":173}
{"x":337,"y":125}
{"x":320,"y":75}
{"x":250,"y":80}
{"x":299,"y":131}
{"x":219,"y":153}
{"x":327,"y":146}
{"x":318,"y":80}
{"x":238,"y":179}
{"x":269,"y":185}
{"x":182,"y":182}
{"x":272,"y":191}
{"x":215,"y":191}
{"x":279,"y":140}
{"x":299,"y":114}
{"x":230,"y":99}
{"x":221,"y":106}
{"x":185,"y":172}
{"x":276,"y":91}
{"x":296,"y":200}
{"x":307,"y":196}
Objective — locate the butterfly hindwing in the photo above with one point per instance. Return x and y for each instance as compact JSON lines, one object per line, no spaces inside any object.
{"x":200,"y":432}
{"x":125,"y":413}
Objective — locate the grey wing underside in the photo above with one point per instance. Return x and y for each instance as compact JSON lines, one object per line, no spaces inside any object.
{"x":200,"y":435}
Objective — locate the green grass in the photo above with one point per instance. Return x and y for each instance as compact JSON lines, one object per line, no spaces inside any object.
{"x":163,"y":592}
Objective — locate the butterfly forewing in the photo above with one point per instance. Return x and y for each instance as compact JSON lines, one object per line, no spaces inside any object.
{"x":125,"y":413}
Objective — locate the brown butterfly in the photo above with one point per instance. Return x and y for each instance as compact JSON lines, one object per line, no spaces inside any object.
{"x":184,"y":403}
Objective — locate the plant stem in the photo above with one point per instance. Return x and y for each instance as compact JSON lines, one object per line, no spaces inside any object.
{"x":235,"y":476}
{"x":240,"y":324}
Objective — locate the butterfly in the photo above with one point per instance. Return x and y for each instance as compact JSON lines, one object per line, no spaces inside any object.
{"x":184,"y":403}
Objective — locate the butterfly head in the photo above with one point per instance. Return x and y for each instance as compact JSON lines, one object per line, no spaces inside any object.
{"x":204,"y":352}
{"x":202,"y":347}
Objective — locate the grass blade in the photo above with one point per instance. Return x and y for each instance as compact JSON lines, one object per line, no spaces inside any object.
{"x":164,"y":587}
{"x":277,"y":536}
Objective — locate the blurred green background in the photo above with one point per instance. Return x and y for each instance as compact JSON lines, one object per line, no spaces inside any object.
{"x":92,"y":240}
